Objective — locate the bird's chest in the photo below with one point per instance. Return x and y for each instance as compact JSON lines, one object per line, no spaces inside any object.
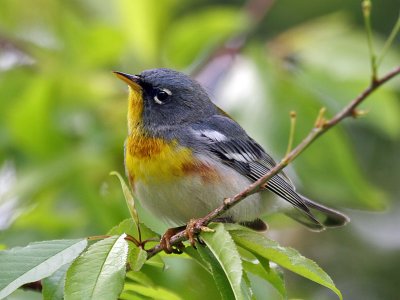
{"x":150,"y":159}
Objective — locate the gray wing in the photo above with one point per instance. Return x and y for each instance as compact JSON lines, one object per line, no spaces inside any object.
{"x":225,"y":139}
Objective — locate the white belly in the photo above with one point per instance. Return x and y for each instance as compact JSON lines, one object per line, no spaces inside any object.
{"x":184,"y":198}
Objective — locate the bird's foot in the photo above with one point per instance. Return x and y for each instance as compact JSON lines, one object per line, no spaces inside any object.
{"x":165,"y":241}
{"x":193,"y":229}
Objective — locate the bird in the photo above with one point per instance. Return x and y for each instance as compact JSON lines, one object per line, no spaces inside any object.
{"x":183,"y":155}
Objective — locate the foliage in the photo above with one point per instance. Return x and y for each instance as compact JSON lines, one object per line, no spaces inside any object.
{"x":62,"y":128}
{"x":35,"y":261}
{"x":99,"y":273}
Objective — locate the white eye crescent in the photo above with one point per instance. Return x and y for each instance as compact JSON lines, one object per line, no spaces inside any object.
{"x":162,"y":95}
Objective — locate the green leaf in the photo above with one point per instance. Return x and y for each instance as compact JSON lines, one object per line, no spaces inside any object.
{"x":98,"y":273}
{"x":156,"y":261}
{"x":140,"y":277}
{"x":136,"y":257}
{"x":220,"y":278}
{"x":260,"y":266}
{"x":224,"y":250}
{"x":246,"y":285}
{"x":130,"y":201}
{"x":274,"y":276}
{"x":36,"y":261}
{"x":195,"y":255}
{"x":128,"y":226}
{"x":158,"y":293}
{"x":53,"y":286}
{"x":286,"y":257}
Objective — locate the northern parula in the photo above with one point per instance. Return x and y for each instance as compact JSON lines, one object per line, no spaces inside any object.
{"x":184,"y":155}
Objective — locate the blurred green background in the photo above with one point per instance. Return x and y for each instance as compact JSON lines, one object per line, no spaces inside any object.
{"x":63,"y":120}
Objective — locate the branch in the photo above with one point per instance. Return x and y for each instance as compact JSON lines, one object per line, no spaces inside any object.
{"x":321,"y":127}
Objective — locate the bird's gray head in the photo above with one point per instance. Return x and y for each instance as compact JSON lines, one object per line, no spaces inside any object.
{"x":169,"y":98}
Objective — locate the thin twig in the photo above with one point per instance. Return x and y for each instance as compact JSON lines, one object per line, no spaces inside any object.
{"x":389,"y":41}
{"x":317,"y":131}
{"x":293,"y":116}
{"x":366,"y":9}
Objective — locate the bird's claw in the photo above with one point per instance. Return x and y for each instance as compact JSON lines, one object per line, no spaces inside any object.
{"x":165,"y":241}
{"x":193,"y":228}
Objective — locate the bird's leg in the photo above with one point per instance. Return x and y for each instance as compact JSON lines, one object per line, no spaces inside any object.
{"x":165,"y":241}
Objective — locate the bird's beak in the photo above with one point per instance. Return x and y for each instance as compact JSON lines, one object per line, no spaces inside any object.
{"x":133,"y":81}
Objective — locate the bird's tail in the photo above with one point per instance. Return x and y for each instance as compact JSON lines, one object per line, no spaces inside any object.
{"x":323,"y":216}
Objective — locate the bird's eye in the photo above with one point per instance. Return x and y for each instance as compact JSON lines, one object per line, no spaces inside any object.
{"x":162,"y":95}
